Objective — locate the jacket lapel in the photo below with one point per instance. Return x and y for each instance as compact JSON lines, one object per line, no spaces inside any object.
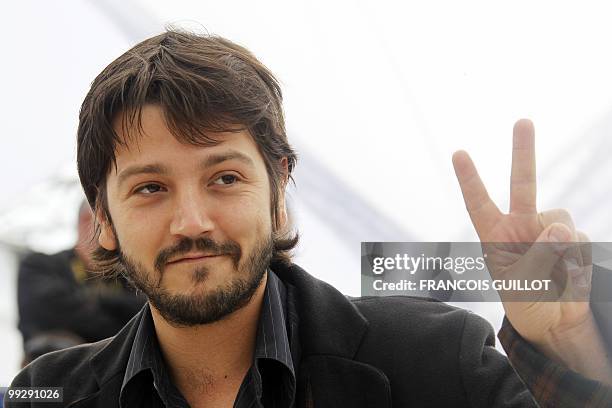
{"x":106,"y":397}
{"x":331,"y":329}
{"x":108,"y":366}
{"x":327,"y":381}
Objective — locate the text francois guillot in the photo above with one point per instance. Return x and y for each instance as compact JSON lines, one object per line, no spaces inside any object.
{"x":459,"y":265}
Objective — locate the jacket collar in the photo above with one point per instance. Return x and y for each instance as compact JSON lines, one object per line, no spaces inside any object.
{"x":323,"y":309}
{"x":112,"y":358}
{"x":330,"y":332}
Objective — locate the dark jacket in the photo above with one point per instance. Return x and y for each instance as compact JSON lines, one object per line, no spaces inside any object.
{"x":361,"y":352}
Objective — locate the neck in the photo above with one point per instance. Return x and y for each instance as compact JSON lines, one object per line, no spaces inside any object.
{"x":211,"y":359}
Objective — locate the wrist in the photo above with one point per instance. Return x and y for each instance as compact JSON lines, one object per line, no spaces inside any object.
{"x":579,"y":348}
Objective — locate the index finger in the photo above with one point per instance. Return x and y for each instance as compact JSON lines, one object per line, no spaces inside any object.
{"x":482,"y":210}
{"x":523,"y":177}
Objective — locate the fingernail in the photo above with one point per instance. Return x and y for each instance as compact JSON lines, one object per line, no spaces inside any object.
{"x":558,"y":234}
{"x":580,"y":281}
{"x":576,"y":273}
{"x":572,"y":267}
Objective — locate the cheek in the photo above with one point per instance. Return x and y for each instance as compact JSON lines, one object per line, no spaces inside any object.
{"x":139,"y":232}
{"x":247,"y":217}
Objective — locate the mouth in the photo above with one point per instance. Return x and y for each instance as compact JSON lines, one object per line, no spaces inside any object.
{"x":193,"y":259}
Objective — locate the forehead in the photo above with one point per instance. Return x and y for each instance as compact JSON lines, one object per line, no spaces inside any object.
{"x":152,"y":141}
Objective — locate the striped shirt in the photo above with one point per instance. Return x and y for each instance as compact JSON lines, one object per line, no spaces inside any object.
{"x":270,"y":382}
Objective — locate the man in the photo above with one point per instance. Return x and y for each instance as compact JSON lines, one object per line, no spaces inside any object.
{"x":182,"y":153}
{"x":61,"y":304}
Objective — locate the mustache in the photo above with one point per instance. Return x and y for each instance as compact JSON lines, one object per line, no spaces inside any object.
{"x":185,"y":245}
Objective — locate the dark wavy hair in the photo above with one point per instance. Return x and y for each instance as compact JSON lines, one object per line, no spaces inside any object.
{"x":201,"y":83}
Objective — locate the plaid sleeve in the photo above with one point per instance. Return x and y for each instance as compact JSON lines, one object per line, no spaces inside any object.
{"x":550,"y":383}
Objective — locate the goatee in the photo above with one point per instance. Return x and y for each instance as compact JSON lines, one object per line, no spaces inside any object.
{"x":205,"y":306}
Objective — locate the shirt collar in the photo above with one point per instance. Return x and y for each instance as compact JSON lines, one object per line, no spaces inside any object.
{"x":272,"y":338}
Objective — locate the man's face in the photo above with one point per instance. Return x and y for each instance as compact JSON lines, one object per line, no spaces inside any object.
{"x":192,"y":224}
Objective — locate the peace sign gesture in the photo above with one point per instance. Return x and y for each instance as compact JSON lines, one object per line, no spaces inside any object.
{"x":527,"y":244}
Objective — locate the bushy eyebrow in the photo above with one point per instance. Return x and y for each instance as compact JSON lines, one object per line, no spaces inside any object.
{"x":156,"y":168}
{"x":225,"y":156}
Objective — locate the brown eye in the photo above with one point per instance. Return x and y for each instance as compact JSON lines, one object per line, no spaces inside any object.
{"x":153,"y":188}
{"x":226,"y":179}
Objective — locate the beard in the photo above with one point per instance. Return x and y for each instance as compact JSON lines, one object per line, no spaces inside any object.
{"x":202,"y":306}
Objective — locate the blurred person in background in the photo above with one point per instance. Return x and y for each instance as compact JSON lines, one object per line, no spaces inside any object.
{"x":62,"y":304}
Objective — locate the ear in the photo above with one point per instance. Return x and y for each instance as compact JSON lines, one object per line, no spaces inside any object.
{"x":282,"y":205}
{"x":106,"y":239}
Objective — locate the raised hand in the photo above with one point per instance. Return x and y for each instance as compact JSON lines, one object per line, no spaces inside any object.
{"x":527,"y":245}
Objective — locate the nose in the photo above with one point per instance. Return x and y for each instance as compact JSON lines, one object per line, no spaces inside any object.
{"x":191,"y":217}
